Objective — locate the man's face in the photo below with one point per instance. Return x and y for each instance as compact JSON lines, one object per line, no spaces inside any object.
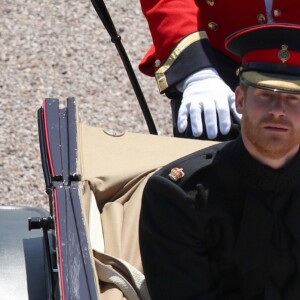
{"x":270,"y":122}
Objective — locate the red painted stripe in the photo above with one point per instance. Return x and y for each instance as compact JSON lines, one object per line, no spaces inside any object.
{"x":48,"y":139}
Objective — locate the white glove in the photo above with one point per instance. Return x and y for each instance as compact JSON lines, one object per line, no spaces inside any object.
{"x":206,"y":91}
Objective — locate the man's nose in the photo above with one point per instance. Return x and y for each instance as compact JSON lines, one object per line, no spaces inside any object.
{"x":277,"y":107}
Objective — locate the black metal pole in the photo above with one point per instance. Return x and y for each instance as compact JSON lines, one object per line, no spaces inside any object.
{"x":104,"y":15}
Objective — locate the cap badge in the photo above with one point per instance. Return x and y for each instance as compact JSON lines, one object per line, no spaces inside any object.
{"x":176,"y":174}
{"x":284,"y":54}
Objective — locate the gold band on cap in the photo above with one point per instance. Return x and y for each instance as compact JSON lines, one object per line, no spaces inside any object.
{"x":279,"y":82}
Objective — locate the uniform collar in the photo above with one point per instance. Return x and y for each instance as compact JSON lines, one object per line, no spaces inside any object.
{"x":259,"y":175}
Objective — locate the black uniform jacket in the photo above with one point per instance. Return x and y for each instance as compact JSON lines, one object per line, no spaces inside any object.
{"x":231,"y":231}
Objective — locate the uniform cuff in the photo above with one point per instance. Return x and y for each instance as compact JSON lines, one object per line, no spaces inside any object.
{"x":192,"y":54}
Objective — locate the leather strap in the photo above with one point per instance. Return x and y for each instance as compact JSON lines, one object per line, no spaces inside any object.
{"x":119,"y":272}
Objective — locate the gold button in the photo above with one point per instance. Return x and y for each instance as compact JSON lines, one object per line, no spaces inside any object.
{"x":261,"y":18}
{"x":157,"y":63}
{"x":213,"y":26}
{"x":210,"y":2}
{"x":277,"y":13}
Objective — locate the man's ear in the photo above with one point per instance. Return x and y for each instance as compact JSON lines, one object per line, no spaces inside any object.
{"x":240,"y":95}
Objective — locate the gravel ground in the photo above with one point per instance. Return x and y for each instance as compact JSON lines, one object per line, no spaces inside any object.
{"x":60,"y":50}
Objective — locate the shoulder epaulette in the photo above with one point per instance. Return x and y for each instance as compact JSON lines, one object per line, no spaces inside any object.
{"x":182,"y":169}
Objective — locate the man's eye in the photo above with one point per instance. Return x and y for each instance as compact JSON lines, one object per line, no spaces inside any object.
{"x":266,"y":96}
{"x":293,"y":98}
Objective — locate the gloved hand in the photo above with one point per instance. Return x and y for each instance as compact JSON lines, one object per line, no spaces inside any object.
{"x":206,"y":92}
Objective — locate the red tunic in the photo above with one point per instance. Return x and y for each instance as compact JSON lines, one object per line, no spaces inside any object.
{"x":171,"y":21}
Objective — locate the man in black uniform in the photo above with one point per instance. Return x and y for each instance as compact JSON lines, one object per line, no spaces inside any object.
{"x":223,"y":223}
